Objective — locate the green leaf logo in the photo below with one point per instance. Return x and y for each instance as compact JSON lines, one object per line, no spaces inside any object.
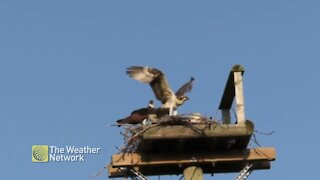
{"x":40,"y":153}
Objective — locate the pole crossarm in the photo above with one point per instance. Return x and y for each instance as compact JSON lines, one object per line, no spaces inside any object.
{"x":219,"y":162}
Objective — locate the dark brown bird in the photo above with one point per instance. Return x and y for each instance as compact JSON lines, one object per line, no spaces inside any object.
{"x":137,"y":116}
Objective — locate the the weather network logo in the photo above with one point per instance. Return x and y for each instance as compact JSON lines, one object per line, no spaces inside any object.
{"x":40,"y":153}
{"x":50,"y":153}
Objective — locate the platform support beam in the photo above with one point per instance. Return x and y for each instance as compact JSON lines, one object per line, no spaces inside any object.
{"x":239,"y":98}
{"x":226,"y":118}
{"x":193,"y":173}
{"x":233,"y":91}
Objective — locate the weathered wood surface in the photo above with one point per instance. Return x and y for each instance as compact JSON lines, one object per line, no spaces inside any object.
{"x":226,"y":118}
{"x":233,"y":88}
{"x":229,"y":91}
{"x":193,"y":173}
{"x":196,"y":131}
{"x":133,"y":159}
{"x":224,"y":162}
{"x":177,"y":170}
{"x":239,"y":98}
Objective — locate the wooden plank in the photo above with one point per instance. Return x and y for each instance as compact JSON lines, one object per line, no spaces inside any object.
{"x":196,"y":131}
{"x":193,"y":173}
{"x":239,"y":98}
{"x":177,"y":169}
{"x":114,"y":172}
{"x":226,"y":119}
{"x":229,"y":90}
{"x":232,"y":161}
{"x":135,"y":159}
{"x":228,"y":93}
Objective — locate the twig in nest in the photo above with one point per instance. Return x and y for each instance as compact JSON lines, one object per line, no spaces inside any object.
{"x":255,"y":137}
{"x":124,"y":134}
{"x":255,"y":140}
{"x":197,"y":130}
{"x":99,"y":172}
{"x":142,"y":131}
{"x":264,"y":133}
{"x":133,"y":141}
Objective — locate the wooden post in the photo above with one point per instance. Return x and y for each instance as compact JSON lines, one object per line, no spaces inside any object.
{"x":239,"y":97}
{"x":233,"y":90}
{"x":193,"y":173}
{"x":226,"y":119}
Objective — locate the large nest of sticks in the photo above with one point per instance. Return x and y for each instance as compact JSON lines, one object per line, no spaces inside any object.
{"x":133,"y":133}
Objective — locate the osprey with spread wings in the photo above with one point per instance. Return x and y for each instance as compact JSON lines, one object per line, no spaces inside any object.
{"x":160,"y":86}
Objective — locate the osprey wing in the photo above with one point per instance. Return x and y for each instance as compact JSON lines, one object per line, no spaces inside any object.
{"x":155,"y":78}
{"x":143,"y":74}
{"x":187,"y":87}
{"x":141,"y":111}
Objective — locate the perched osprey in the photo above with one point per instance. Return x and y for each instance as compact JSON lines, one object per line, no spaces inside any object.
{"x":137,"y":116}
{"x":160,"y":86}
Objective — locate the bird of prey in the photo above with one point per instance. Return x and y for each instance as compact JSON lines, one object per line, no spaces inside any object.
{"x":160,"y":86}
{"x":137,"y":116}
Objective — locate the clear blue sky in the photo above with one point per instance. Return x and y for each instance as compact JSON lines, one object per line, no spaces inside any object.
{"x":62,"y":79}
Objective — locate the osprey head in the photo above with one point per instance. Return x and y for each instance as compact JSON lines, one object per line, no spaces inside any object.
{"x":181,"y":100}
{"x":151,"y":104}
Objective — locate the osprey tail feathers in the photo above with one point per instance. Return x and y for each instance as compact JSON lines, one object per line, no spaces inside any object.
{"x":124,"y":120}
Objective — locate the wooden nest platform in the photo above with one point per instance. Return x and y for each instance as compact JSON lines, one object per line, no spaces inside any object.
{"x":208,"y":136}
{"x":192,"y":144}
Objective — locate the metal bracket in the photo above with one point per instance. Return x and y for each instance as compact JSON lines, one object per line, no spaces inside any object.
{"x":245,"y":172}
{"x":135,"y":174}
